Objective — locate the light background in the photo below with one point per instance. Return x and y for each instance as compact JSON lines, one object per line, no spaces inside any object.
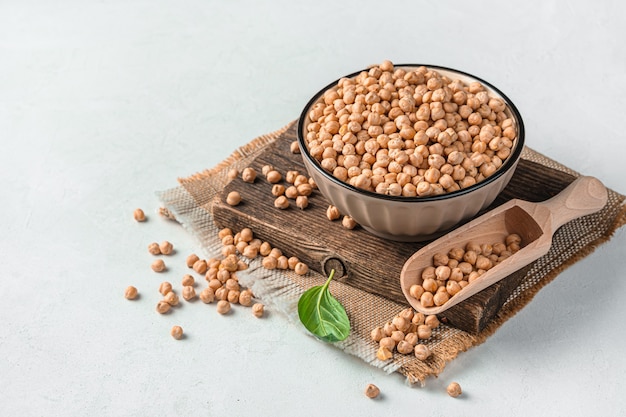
{"x":102,"y":103}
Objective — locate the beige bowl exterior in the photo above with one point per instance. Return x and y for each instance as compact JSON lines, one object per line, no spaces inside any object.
{"x":413,"y":218}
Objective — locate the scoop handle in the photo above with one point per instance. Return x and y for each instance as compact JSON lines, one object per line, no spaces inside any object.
{"x":586,"y":195}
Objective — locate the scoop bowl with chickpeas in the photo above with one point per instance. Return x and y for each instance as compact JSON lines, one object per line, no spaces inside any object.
{"x":410,"y":151}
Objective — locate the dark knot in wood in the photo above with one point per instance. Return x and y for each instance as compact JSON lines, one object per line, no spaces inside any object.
{"x":335,"y":263}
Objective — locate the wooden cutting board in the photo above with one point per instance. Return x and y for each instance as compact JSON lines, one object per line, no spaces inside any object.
{"x":359,"y":258}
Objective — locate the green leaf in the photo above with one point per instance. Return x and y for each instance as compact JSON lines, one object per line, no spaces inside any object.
{"x":322,"y":314}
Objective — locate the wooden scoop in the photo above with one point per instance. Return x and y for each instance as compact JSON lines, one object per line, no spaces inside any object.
{"x":535,"y":223}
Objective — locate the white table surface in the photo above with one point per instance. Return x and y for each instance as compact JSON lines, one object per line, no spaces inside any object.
{"x":103,"y":103}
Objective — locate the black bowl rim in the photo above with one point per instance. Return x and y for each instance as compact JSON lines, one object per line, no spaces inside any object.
{"x":508,"y":164}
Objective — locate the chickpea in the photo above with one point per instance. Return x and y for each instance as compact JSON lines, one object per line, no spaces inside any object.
{"x":275,"y":253}
{"x":207,"y":295}
{"x":294,"y":147}
{"x":163,"y":307}
{"x":233,"y":198}
{"x":224,"y":232}
{"x":302,"y":202}
{"x":424,"y":331}
{"x":372,"y":391}
{"x":377,"y":334}
{"x":245,"y":298}
{"x":273,"y":177}
{"x":230,"y":263}
{"x":158,"y":265}
{"x":301,"y":268}
{"x":282,"y":262}
{"x":258,"y":310}
{"x":139,"y":215}
{"x":388,"y":343}
{"x":223,"y":307}
{"x":130,"y":293}
{"x":189,"y":293}
{"x":332,"y":213}
{"x":292,"y":262}
{"x":454,"y":389}
{"x":426,"y":300}
{"x":281,"y":202}
{"x":441,"y":297}
{"x":171,"y":298}
{"x":348,"y":222}
{"x":177,"y":332}
{"x":248,"y":175}
{"x":200,"y":266}
{"x":278,"y":190}
{"x":154,"y":249}
{"x":383,"y":353}
{"x":422,"y":352}
{"x":269,"y":262}
{"x":165,"y":287}
{"x":191,"y":259}
{"x":431,"y":321}
{"x":418,"y":318}
{"x":214,"y":284}
{"x":404,"y":347}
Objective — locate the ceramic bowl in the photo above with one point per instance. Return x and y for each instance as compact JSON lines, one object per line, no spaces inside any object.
{"x":403,"y":218}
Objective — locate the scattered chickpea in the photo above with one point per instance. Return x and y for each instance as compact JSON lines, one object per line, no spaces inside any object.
{"x":130,"y":293}
{"x":200,"y":266}
{"x":293,"y":147}
{"x":224,"y":232}
{"x":154,"y":249}
{"x":158,"y":265}
{"x":432,"y":321}
{"x":291,"y":192}
{"x":302,"y":202}
{"x":332,"y":213}
{"x":163,"y":307}
{"x":281,"y":202}
{"x":223,"y":307}
{"x":233,"y":198}
{"x":233,"y":296}
{"x":404,"y":347}
{"x":177,"y":332}
{"x":282,"y":262}
{"x":301,"y":268}
{"x":207,"y":295}
{"x":171,"y":298}
{"x":258,"y":310}
{"x":292,"y":262}
{"x":139,"y":215}
{"x":454,"y":389}
{"x":165,"y":287}
{"x":422,"y":352}
{"x":348,"y":222}
{"x":248,"y":175}
{"x":278,"y":190}
{"x":383,"y":353}
{"x":273,"y":177}
{"x":377,"y":334}
{"x":372,"y":391}
{"x":424,"y":331}
{"x":245,"y":298}
{"x":166,"y":248}
{"x":269,"y":262}
{"x":189,"y":293}
{"x":191,"y":259}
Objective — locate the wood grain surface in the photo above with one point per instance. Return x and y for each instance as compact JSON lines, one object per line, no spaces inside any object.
{"x":360,"y":259}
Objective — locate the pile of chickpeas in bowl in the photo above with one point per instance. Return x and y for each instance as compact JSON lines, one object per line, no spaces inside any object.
{"x":409,"y":131}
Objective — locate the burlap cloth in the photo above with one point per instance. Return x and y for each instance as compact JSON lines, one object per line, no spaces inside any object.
{"x":190,"y":205}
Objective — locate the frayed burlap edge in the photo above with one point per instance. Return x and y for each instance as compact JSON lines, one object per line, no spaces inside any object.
{"x":190,"y":204}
